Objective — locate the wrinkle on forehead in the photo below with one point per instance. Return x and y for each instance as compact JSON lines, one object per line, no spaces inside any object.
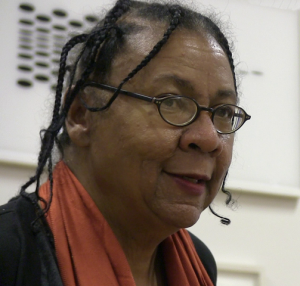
{"x":208,"y":43}
{"x":138,"y":45}
{"x":150,"y":32}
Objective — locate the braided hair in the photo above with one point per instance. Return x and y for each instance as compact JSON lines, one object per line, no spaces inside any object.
{"x":98,"y":48}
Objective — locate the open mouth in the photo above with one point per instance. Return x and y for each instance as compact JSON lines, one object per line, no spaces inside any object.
{"x":192,"y":184}
{"x":192,"y":180}
{"x":195,"y":179}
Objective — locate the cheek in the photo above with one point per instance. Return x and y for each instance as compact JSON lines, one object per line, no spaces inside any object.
{"x":221,"y":166}
{"x":145,"y":135}
{"x":224,"y":160}
{"x":149,"y":145}
{"x":135,"y":143}
{"x":226,"y":155}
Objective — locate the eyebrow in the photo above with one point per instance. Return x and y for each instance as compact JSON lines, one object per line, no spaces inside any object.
{"x":224,"y":93}
{"x":180,"y":81}
{"x":227,"y":93}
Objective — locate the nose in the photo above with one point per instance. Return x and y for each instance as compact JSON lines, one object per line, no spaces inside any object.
{"x":202,"y":136}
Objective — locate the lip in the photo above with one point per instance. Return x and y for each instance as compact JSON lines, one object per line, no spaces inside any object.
{"x":188,"y":186}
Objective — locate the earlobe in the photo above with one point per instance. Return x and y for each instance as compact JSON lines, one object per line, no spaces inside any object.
{"x":77,"y":123}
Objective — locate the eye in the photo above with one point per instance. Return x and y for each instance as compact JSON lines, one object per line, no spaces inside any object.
{"x":172,"y":103}
{"x":178,"y":110}
{"x":225,"y":112}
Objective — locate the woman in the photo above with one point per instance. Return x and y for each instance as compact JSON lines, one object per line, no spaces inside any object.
{"x":147,"y":124}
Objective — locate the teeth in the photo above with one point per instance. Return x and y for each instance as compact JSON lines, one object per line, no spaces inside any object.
{"x":195,"y":181}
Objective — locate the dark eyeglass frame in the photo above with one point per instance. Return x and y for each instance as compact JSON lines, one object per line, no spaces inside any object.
{"x":158,"y":101}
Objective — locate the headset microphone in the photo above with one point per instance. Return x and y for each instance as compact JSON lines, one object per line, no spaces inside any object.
{"x":224,"y":220}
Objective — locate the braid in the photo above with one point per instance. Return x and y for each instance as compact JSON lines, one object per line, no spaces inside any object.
{"x":176,"y":14}
{"x":174,"y":22}
{"x":46,"y":141}
{"x":100,"y":36}
{"x":229,"y":196}
{"x":117,"y":11}
{"x":49,"y":135}
{"x":62,"y":69}
{"x":224,"y":220}
{"x":220,"y":37}
{"x":72,"y":92}
{"x":224,"y":42}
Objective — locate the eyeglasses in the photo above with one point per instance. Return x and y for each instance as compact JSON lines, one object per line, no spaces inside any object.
{"x":179,"y":110}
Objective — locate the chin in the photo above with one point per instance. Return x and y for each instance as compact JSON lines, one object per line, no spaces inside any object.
{"x":183,"y":217}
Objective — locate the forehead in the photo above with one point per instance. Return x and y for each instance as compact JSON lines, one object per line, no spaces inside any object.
{"x":188,"y":58}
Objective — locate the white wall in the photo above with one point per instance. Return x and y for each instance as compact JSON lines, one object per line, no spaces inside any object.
{"x":265,"y":230}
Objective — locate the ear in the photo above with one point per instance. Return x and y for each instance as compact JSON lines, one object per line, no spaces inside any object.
{"x":78,"y":123}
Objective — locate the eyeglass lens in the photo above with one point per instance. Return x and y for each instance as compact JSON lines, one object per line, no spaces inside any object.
{"x":228,"y":118}
{"x":180,"y":111}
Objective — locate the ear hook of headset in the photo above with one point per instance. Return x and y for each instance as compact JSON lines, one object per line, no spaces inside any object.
{"x":224,"y":220}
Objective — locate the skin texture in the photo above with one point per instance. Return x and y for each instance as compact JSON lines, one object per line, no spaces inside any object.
{"x":131,"y":162}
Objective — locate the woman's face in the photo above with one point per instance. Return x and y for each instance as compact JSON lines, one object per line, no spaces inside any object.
{"x":143,"y":170}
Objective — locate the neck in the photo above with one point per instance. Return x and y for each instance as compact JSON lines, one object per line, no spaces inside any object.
{"x":141,"y":245}
{"x":147,"y":269}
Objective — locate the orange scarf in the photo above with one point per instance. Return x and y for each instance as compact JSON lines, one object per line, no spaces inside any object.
{"x":87,"y":250}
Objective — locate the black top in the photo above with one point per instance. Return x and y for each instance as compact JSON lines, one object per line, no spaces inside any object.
{"x":27,"y":255}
